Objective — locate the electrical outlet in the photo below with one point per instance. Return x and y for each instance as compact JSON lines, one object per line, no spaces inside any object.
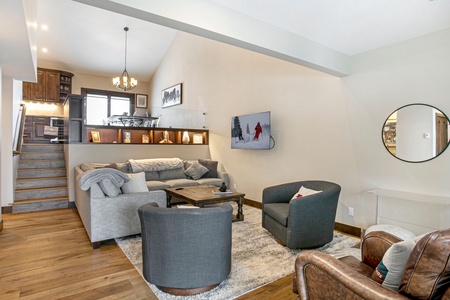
{"x":235,"y":186}
{"x":351,"y":211}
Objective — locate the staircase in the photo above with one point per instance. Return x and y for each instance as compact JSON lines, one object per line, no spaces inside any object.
{"x":41,"y":181}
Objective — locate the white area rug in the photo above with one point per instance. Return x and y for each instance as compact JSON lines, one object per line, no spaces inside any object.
{"x":256,"y":258}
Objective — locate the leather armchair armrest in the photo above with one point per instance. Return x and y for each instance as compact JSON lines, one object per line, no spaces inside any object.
{"x":321,"y":276}
{"x":374,"y":245}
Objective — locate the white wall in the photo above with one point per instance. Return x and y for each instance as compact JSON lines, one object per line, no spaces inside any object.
{"x":11,"y":96}
{"x":307,"y":109}
{"x":324,"y":127}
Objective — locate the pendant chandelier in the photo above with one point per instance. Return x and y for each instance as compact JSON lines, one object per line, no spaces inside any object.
{"x":124,"y":82}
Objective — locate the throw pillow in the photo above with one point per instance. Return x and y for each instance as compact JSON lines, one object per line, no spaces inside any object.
{"x":109,"y":188}
{"x":196,"y":171}
{"x":211,"y":165}
{"x":303,"y":192}
{"x":390,"y":270}
{"x":136,"y":184}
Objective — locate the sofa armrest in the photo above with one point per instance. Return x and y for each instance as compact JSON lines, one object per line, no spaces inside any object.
{"x":315,"y":270}
{"x":374,"y":245}
{"x":224,"y":177}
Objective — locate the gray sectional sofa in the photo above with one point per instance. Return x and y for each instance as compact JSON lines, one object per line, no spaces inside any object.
{"x":107,"y":196}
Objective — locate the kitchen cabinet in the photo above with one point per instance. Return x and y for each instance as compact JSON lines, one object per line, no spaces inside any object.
{"x":51,"y":86}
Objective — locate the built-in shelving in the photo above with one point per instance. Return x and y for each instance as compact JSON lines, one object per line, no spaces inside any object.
{"x":145,"y":135}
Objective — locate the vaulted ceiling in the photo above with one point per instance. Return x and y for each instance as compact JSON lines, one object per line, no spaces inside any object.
{"x":87,"y":36}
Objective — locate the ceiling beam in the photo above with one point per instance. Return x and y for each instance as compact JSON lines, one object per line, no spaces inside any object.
{"x":218,"y":23}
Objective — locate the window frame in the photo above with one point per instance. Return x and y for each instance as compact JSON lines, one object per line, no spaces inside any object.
{"x":108,"y":94}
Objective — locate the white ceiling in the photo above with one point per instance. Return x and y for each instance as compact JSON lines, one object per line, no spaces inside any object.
{"x":91,"y":40}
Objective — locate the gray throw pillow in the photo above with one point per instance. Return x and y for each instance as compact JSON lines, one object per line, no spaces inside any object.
{"x":211,"y":165}
{"x":196,"y":171}
{"x":136,"y":184}
{"x":109,"y":188}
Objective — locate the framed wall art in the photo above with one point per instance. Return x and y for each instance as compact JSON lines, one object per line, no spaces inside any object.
{"x":141,"y":101}
{"x":95,"y":136}
{"x":171,"y":96}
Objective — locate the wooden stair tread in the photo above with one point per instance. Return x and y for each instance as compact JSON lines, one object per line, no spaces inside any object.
{"x":43,"y":178}
{"x":43,"y":188}
{"x":40,"y":200}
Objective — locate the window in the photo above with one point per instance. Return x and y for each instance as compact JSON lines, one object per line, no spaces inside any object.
{"x":102,"y":104}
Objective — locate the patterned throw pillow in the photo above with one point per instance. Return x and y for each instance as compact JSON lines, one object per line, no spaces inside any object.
{"x":196,"y":171}
{"x":303,"y":192}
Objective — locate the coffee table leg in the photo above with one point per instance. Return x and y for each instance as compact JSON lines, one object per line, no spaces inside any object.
{"x":169,"y":200}
{"x":240,"y":213}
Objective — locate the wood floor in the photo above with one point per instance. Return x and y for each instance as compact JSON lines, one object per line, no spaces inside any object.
{"x":47,"y":255}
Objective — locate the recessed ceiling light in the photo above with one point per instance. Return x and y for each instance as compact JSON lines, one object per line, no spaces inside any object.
{"x":45,"y":50}
{"x":44,"y":27}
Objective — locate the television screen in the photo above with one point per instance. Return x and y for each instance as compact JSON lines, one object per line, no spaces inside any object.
{"x":251,"y":131}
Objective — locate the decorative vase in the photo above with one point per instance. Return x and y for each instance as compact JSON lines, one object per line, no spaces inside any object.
{"x":186,"y":138}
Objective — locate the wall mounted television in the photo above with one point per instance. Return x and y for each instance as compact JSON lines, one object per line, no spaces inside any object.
{"x":251,"y":131}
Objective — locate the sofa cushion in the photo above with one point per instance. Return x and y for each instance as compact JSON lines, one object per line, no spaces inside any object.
{"x":109,"y":188}
{"x":92,"y":166}
{"x":181,"y":182}
{"x":389,"y":271}
{"x":196,"y":170}
{"x":172,"y":174}
{"x":151,"y":175}
{"x":278,"y":211}
{"x":210,"y":181}
{"x":211,"y":165}
{"x":157,"y":185}
{"x":121,"y":166}
{"x":136,"y":184}
{"x":427,"y":274}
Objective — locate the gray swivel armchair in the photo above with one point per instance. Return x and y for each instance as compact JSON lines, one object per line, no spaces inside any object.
{"x":306,"y":222}
{"x":186,"y":251}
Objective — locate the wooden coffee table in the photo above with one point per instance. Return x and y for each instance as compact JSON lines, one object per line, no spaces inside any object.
{"x":202,"y":195}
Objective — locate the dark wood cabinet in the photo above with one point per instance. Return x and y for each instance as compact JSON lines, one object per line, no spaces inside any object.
{"x":34,"y":129}
{"x":73,"y":119}
{"x":51,"y":86}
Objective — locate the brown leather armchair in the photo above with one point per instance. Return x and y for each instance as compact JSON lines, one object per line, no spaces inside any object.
{"x":427,"y":275}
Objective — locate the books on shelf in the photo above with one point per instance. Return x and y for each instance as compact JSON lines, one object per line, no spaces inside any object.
{"x":222,"y":193}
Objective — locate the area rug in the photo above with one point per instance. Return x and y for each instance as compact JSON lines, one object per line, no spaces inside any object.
{"x":257,"y":259}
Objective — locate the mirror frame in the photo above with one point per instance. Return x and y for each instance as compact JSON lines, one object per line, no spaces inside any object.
{"x":413,"y":161}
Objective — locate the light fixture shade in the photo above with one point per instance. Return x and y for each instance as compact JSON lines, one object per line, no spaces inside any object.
{"x":124,"y":82}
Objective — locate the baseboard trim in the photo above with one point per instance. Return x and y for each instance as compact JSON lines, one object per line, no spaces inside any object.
{"x":344,"y":228}
{"x":347,"y":229}
{"x":253,"y":203}
{"x":7,"y":210}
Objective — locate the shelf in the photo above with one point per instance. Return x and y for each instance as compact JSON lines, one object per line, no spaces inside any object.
{"x":145,"y":135}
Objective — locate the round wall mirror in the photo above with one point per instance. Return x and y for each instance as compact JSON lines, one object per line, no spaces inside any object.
{"x":416,"y":133}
